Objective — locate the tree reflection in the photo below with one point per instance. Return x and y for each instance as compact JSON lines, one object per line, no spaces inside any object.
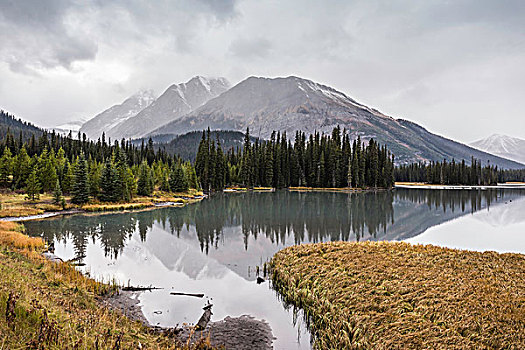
{"x":282,"y":217}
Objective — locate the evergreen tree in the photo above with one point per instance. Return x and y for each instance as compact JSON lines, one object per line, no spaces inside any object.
{"x":57,"y":193}
{"x":33,"y":187}
{"x":80,"y":190}
{"x":69,"y":177}
{"x":177,"y":181}
{"x":22,"y":168}
{"x":95,"y":173}
{"x":145,"y":183}
{"x":109,"y":183}
{"x":6,"y":167}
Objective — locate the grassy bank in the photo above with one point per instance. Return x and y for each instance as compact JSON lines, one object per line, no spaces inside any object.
{"x":16,"y":205}
{"x":44,"y":305}
{"x":396,"y":295}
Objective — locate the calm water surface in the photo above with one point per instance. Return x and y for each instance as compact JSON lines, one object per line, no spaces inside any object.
{"x":213,"y":247}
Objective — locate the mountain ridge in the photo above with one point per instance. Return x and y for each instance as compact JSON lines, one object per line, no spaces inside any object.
{"x":107,"y":120}
{"x":176,"y":101}
{"x":289,"y":104}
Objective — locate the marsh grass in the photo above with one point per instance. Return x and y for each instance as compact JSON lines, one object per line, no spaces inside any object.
{"x":385,"y":295}
{"x":46,"y":305}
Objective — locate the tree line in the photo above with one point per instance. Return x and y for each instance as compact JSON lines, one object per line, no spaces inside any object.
{"x":320,"y":160}
{"x":88,"y":169}
{"x":457,"y":173}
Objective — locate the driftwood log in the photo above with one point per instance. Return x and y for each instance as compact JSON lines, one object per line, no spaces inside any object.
{"x":139,"y":288}
{"x":196,"y":295}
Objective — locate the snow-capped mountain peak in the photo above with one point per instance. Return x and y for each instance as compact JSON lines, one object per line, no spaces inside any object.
{"x":109,"y":119}
{"x":502,"y":145}
{"x":176,"y":101}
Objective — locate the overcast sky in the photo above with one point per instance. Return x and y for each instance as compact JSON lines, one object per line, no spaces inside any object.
{"x":456,"y":67}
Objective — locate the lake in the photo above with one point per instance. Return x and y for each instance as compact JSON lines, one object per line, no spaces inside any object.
{"x":214,"y":246}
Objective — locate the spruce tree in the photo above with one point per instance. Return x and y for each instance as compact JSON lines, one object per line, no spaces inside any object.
{"x":57,"y":193}
{"x":22,"y":168}
{"x":177,"y":181}
{"x":33,"y":187}
{"x":145,"y":181}
{"x":95,"y":174}
{"x":109,"y":183}
{"x":6,"y":167}
{"x":80,"y":190}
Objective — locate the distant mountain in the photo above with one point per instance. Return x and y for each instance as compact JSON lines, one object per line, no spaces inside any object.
{"x":292,"y":103}
{"x":186,"y":145}
{"x":175,"y":102}
{"x":503,"y":146}
{"x":8,"y":123}
{"x":111,"y":118}
{"x":72,"y":126}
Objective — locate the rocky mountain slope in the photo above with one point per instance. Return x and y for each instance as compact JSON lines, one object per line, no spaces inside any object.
{"x":175,"y":102}
{"x":503,"y":146}
{"x":292,"y":103}
{"x":111,"y":118}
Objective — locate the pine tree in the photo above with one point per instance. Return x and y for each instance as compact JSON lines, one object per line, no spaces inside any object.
{"x":177,"y":181}
{"x":6,"y":167}
{"x":145,"y":181}
{"x":33,"y":187}
{"x":80,"y":191}
{"x":57,"y":193}
{"x":95,"y":173}
{"x":22,"y":168}
{"x":109,"y":183}
{"x":69,"y":177}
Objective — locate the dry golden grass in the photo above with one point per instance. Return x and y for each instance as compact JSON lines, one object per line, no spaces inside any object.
{"x":14,"y":205}
{"x":396,"y":295}
{"x":11,"y":235}
{"x":45,"y":305}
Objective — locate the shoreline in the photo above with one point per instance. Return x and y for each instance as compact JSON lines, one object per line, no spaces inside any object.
{"x":426,"y":186}
{"x":99,"y":208}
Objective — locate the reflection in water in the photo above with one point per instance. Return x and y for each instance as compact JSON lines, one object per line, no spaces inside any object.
{"x":282,"y":217}
{"x":213,"y":246}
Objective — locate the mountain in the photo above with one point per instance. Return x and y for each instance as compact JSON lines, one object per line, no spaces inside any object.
{"x":111,"y":118}
{"x":292,"y":103}
{"x":503,"y":146}
{"x":186,"y":145}
{"x":72,"y":126}
{"x":175,"y":102}
{"x":8,"y":123}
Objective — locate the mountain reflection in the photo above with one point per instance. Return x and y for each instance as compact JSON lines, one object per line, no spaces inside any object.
{"x":283,"y":218}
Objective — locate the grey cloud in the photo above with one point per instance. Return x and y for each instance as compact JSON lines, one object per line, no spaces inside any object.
{"x":250,"y":47}
{"x":222,"y":8}
{"x":421,"y":60}
{"x":34,"y":35}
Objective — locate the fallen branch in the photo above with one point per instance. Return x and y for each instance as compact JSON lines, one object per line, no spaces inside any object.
{"x":197,"y":295}
{"x":138,"y":289}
